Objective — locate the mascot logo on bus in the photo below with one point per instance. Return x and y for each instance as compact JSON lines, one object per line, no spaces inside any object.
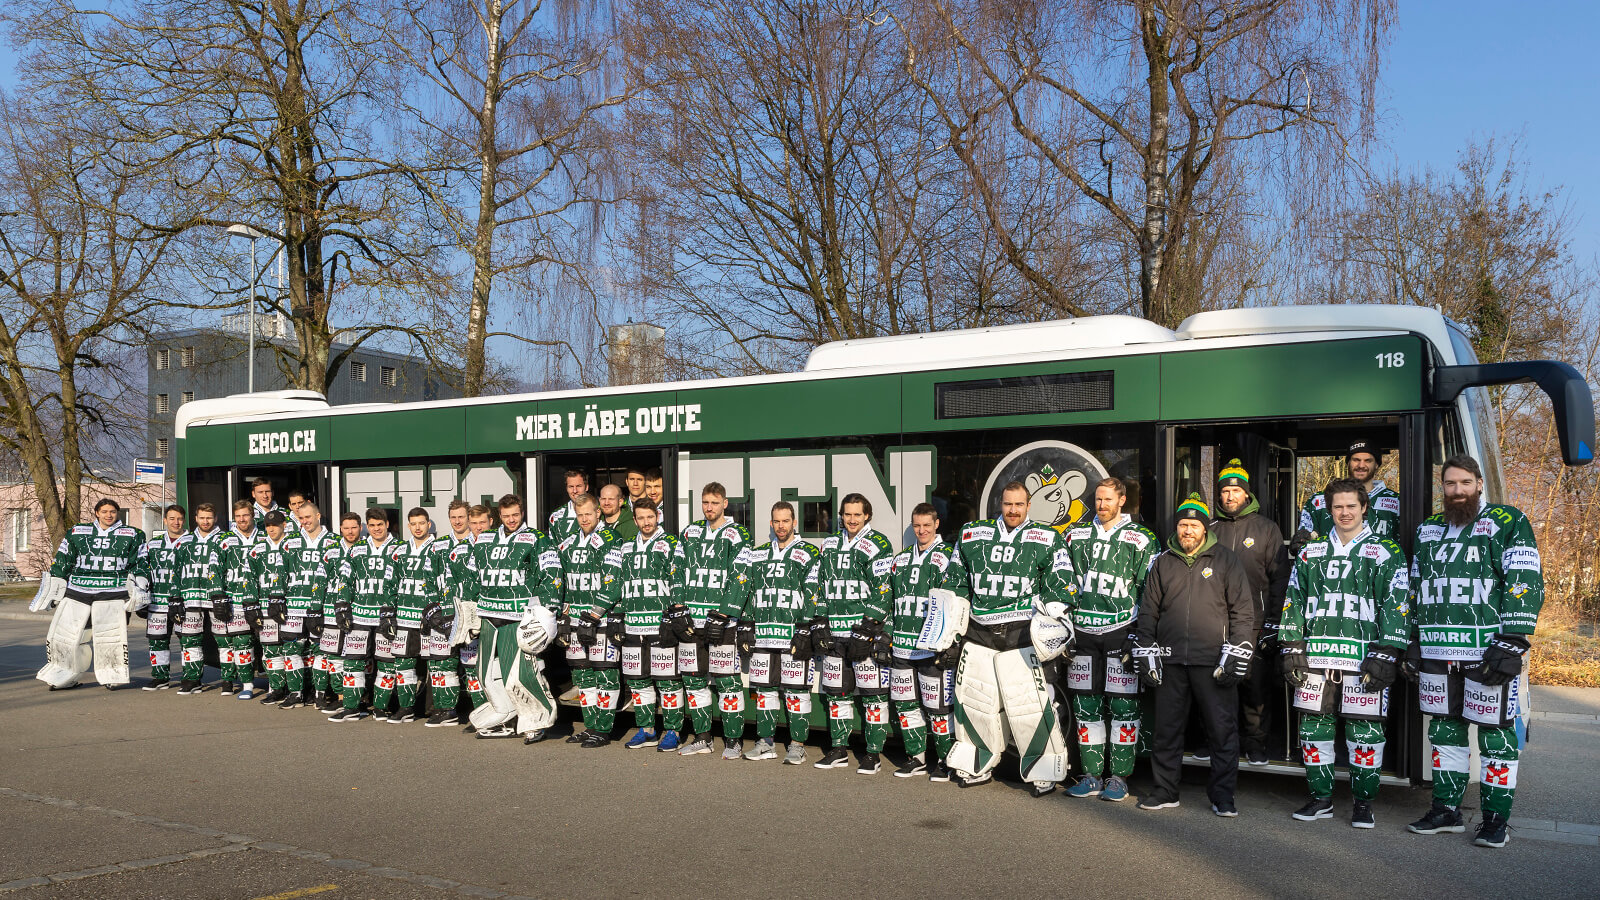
{"x":1059,"y":477}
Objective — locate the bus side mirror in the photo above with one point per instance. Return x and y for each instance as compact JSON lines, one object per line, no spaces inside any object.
{"x":1570,"y":400}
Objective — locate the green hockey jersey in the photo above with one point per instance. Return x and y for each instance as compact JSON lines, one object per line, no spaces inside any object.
{"x":915,"y":573}
{"x":638,"y":581}
{"x":1007,"y":570}
{"x":1342,"y":598}
{"x":849,"y":580}
{"x":312,"y":564}
{"x":236,"y":562}
{"x":161,"y":567}
{"x":774,"y":598}
{"x":563,"y":523}
{"x":95,"y":560}
{"x":513,"y":569}
{"x":707,"y":576}
{"x":1111,"y":564}
{"x":267,"y":568}
{"x":199,"y":565}
{"x":1469,"y":583}
{"x":1383,"y":513}
{"x":367,"y":576}
{"x":583,"y":558}
{"x":460,"y":579}
{"x":422,"y":577}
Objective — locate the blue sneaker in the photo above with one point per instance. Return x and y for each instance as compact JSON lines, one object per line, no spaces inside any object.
{"x":642,"y":738}
{"x":669,"y":742}
{"x":1087,"y":786}
{"x":1116,"y":790}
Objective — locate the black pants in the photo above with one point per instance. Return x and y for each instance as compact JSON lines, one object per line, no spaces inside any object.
{"x":1216,"y":705}
{"x":1255,"y":698}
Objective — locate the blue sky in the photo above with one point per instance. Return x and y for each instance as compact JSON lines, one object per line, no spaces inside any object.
{"x":1468,"y":69}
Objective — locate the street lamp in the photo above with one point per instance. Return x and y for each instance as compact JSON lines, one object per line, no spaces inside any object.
{"x":250,"y":358}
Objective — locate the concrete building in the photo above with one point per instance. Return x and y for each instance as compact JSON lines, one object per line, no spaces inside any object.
{"x":25,"y":544}
{"x":202,"y":363}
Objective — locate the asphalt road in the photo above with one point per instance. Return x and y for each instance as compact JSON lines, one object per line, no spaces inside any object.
{"x":136,"y":794}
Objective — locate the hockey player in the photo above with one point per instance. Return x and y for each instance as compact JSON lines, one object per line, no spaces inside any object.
{"x":1476,"y":588}
{"x":849,"y":593}
{"x":479,"y":520}
{"x":1111,"y":556}
{"x":1196,"y":611}
{"x":616,"y":514}
{"x":199,"y":567}
{"x":592,"y":650}
{"x":1258,"y":542}
{"x":327,"y":673}
{"x":414,"y":625}
{"x":235,"y":642}
{"x":264,"y":602}
{"x":565,"y":520}
{"x":160,"y":555}
{"x":655,"y":490}
{"x":261,"y":502}
{"x":922,"y":683}
{"x":1345,"y":626}
{"x":366,"y":579}
{"x":634,"y":481}
{"x":1363,"y":459}
{"x":97,"y":578}
{"x":444,"y":673}
{"x":773,"y":632}
{"x":313,"y":559}
{"x":638,"y":587}
{"x":519,"y":587}
{"x":1013,"y":565}
{"x":707,"y":657}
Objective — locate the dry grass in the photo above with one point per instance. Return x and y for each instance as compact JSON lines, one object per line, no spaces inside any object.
{"x":1566,"y":650}
{"x":18,"y":590}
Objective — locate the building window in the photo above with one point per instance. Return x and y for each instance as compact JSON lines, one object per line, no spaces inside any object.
{"x":163,"y":404}
{"x":186,"y":358}
{"x":19,"y":520}
{"x":358,"y":371}
{"x":188,"y":396}
{"x":386,"y":375}
{"x":161,"y":448}
{"x":163,"y":359}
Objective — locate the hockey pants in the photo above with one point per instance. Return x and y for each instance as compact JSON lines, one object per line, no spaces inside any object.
{"x":1362,"y":737}
{"x":1090,"y":711}
{"x":1498,"y":749}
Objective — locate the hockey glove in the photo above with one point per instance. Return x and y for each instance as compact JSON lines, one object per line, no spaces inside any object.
{"x":174,"y":615}
{"x":1380,"y":669}
{"x":221,"y":608}
{"x":1147,"y":662}
{"x":1292,"y":657}
{"x":252,"y":614}
{"x":277,"y":608}
{"x":862,"y":636}
{"x":588,"y":629}
{"x":1299,"y":541}
{"x":1267,"y":640}
{"x":566,"y":634}
{"x":883,"y":647}
{"x":313,"y":622}
{"x":1502,"y":661}
{"x":678,"y":618}
{"x":717,"y":627}
{"x":387,"y":625}
{"x":800,"y":644}
{"x":745,"y":636}
{"x":1234,"y":664}
{"x":343,"y":616}
{"x":949,"y":656}
{"x":822,"y":637}
{"x":1411,"y":663}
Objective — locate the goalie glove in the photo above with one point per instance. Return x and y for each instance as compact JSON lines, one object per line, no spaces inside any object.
{"x":678,"y":619}
{"x":221,"y":608}
{"x":138,"y":595}
{"x":51,"y":590}
{"x":1292,"y":659}
{"x":800,"y":644}
{"x":277,"y":608}
{"x":387,"y":624}
{"x":588,"y":628}
{"x":717,"y":627}
{"x":745,"y":636}
{"x":1380,"y":669}
{"x":343,"y":616}
{"x":1234,"y":664}
{"x":252,"y":613}
{"x":1502,"y":661}
{"x":536,"y":630}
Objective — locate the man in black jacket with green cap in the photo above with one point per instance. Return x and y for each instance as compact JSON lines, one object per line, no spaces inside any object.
{"x":1194,"y":640}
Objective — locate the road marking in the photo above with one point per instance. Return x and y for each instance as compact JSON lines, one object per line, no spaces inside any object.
{"x":303,"y":892}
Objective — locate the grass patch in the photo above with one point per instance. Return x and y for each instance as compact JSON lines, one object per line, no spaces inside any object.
{"x":18,"y":590}
{"x":1566,"y":651}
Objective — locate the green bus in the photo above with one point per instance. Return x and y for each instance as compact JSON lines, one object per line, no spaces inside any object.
{"x":947,"y":418}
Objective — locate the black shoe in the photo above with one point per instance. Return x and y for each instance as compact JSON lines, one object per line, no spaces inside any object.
{"x":594,"y":740}
{"x":71,"y":686}
{"x":939,"y":772}
{"x":1316,"y":808}
{"x":913,"y":766}
{"x":975,"y":781}
{"x":1492,"y":833}
{"x":577,"y":737}
{"x":1156,"y":801}
{"x":185,"y":689}
{"x":1440,"y":819}
{"x":329,"y":702}
{"x":228,"y":689}
{"x":1255,"y":756}
{"x":1224,"y":808}
{"x":292,"y":701}
{"x":834,"y":758}
{"x":158,"y":684}
{"x":870,"y":764}
{"x":273,"y":696}
{"x":1361,"y":815}
{"x":442,"y":719}
{"x":348,"y":715}
{"x":402,"y":718}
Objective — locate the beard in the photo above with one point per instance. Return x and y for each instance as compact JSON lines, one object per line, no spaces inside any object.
{"x":1459,"y":511}
{"x":1232,"y":507}
{"x":1189,"y":544}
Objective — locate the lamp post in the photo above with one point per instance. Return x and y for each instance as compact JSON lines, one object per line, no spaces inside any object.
{"x":250,"y":319}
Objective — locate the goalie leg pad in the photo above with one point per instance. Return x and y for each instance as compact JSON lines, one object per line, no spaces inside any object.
{"x":1029,"y":711}
{"x":980,"y":733}
{"x":63,"y":645}
{"x":110,"y":620}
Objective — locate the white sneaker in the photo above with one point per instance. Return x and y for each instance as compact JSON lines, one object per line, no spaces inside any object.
{"x":763,"y":749}
{"x":696,"y":747}
{"x":796,"y":755}
{"x":733,"y":750}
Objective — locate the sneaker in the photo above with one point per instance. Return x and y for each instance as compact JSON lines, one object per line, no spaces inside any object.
{"x":695,"y":747}
{"x":1154,"y":802}
{"x":380,"y":715}
{"x":763,"y":748}
{"x":158,"y":684}
{"x":292,"y":701}
{"x":1087,"y":786}
{"x":348,"y":715}
{"x":576,"y":737}
{"x":914,"y":766}
{"x":402,"y":718}
{"x":1492,"y":833}
{"x":1316,"y":808}
{"x":642,"y":738}
{"x":833,"y":758}
{"x":870,"y":764}
{"x":1224,"y":808}
{"x":228,"y":689}
{"x":669,"y":742}
{"x":592,"y":740}
{"x":273,"y":696}
{"x":1115,"y":790}
{"x":168,"y":683}
{"x":186,"y":689}
{"x":974,"y":781}
{"x":503,"y":730}
{"x":539,"y":734}
{"x":1042,"y":788}
{"x":1439,"y":819}
{"x":1361,"y":815}
{"x":1202,"y":755}
{"x":733,"y":750}
{"x":939,"y":773}
{"x":796,"y":755}
{"x":329,"y":702}
{"x":442,"y":719}
{"x":1255,"y":756}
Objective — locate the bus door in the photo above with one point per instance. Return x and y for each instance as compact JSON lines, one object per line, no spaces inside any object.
{"x":601,"y":467}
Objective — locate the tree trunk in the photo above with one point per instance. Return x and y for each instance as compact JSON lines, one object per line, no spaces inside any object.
{"x":472,"y":376}
{"x":1153,"y":234}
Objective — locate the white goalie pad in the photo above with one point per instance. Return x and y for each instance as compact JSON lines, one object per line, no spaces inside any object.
{"x":51,"y":591}
{"x":68,"y":653}
{"x":537,"y":630}
{"x":110,"y":628}
{"x":946,"y":621}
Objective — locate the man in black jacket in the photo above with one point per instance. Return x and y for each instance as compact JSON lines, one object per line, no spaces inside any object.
{"x":1193,"y":642}
{"x":1258,"y":542}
